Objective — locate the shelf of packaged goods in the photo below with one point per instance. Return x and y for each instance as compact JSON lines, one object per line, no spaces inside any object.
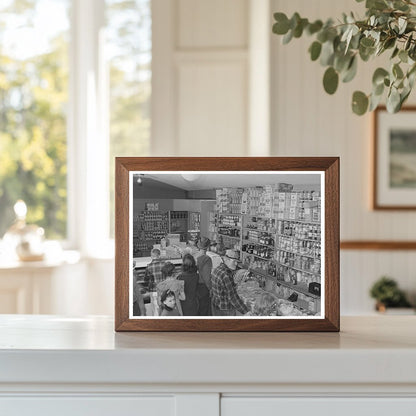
{"x":300,"y":287}
{"x":298,"y":254}
{"x":233,"y":227}
{"x":300,"y":270}
{"x":270,"y":231}
{"x":256,"y":242}
{"x":229,"y":213}
{"x":259,"y":216}
{"x":259,"y":257}
{"x":261,"y":272}
{"x":229,"y":236}
{"x":298,"y":238}
{"x":302,"y":221}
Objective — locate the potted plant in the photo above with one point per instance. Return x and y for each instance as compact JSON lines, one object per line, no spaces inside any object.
{"x":387,"y":294}
{"x":389,"y":27}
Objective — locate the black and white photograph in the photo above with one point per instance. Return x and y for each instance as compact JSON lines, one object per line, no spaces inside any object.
{"x":226,"y":244}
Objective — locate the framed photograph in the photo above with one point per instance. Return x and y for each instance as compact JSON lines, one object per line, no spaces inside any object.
{"x":394,"y":179}
{"x":237,"y":244}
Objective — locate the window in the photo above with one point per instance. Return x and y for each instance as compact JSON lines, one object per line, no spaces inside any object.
{"x":75,"y":87}
{"x":33,"y":97}
{"x":129,"y":46}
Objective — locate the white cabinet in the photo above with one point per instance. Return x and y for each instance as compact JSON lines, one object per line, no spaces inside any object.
{"x":79,"y":366}
{"x":91,"y":405}
{"x":323,"y":406}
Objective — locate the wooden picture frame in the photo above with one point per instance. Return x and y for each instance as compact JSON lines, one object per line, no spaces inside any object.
{"x":266,"y":169}
{"x":394,"y":159}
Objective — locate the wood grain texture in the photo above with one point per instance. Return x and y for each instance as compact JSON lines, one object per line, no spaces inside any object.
{"x":329,"y":165}
{"x":378,"y":245}
{"x":121,"y":244}
{"x":376,"y":205}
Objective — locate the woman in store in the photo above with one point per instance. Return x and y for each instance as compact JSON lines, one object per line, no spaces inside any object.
{"x":204,"y":265}
{"x":190,"y":276}
{"x":171,"y":284}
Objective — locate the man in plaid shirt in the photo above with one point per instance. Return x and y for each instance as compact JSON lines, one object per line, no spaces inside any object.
{"x":225,"y":299}
{"x":153,"y":274}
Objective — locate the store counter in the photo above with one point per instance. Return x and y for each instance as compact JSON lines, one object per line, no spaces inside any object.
{"x":142,"y":262}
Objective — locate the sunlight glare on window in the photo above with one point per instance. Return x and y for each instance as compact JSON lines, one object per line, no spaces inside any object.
{"x":33,"y":102}
{"x":129,"y":52}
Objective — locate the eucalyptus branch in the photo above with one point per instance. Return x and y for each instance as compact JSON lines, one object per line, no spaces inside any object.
{"x":388,"y":26}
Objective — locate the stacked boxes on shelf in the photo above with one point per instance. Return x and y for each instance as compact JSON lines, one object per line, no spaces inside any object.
{"x":228,"y":227}
{"x":149,"y":227}
{"x":280,"y":234}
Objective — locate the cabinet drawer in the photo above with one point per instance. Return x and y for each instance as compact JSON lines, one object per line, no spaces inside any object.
{"x":272,"y":406}
{"x":87,"y":406}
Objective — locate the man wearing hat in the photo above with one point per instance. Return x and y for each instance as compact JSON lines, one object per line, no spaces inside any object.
{"x":225,"y":299}
{"x":204,"y":264}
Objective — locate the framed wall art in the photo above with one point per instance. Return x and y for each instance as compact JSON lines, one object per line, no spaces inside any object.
{"x":236,"y":244}
{"x":394,"y":177}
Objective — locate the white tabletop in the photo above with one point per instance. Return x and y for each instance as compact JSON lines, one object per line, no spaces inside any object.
{"x":372,"y":349}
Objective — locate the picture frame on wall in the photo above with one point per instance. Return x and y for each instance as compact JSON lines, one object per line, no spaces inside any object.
{"x":266,"y":256}
{"x":394,"y":163}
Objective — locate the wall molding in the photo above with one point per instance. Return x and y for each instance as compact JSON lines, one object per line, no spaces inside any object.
{"x":378,"y":245}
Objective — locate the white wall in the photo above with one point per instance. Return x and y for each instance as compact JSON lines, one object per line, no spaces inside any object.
{"x":200,"y":77}
{"x":308,"y":122}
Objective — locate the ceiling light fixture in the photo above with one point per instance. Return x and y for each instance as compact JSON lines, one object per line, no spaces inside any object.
{"x":190,"y":177}
{"x":140,"y":179}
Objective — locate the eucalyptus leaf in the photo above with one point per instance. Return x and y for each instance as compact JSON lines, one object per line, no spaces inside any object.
{"x":288,"y":37}
{"x":314,"y":27}
{"x":374,"y":102}
{"x":366,"y":53}
{"x":298,"y":30}
{"x":327,"y":54}
{"x":378,"y":89}
{"x":400,"y":5}
{"x":359,"y":103}
{"x":408,"y":42}
{"x":322,"y":35}
{"x":367,"y":42}
{"x":315,"y":50}
{"x":402,"y":22}
{"x":389,"y":43}
{"x":341,"y":62}
{"x":281,"y":26}
{"x":376,"y":4}
{"x":403,"y":56}
{"x":395,"y":52}
{"x":379,"y":75}
{"x":393,"y":101}
{"x":397,"y":71}
{"x":350,"y":73}
{"x":330,"y":80}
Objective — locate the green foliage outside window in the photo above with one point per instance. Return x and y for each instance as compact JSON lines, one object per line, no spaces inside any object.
{"x":33,"y":99}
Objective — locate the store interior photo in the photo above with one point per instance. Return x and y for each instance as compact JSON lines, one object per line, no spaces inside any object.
{"x":263,"y":231}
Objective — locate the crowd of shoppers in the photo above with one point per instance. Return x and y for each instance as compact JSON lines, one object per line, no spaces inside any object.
{"x":204,"y":286}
